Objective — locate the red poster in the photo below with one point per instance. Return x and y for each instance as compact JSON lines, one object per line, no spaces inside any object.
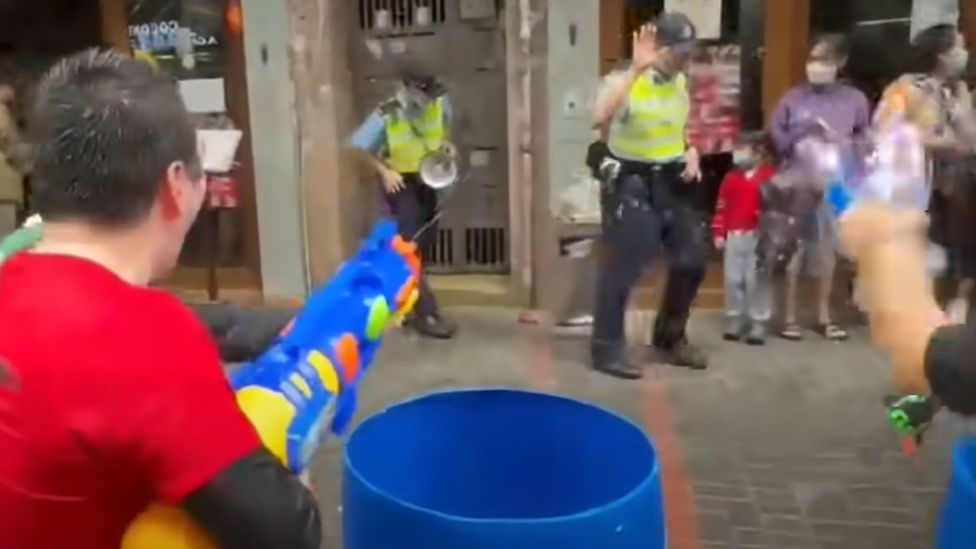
{"x":713,"y":124}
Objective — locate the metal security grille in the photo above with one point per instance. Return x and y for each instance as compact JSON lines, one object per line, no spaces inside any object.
{"x":398,"y":15}
{"x":462,"y":42}
{"x":486,"y":246}
{"x":440,"y":253}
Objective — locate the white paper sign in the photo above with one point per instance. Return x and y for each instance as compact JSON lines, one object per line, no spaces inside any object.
{"x":203,"y":95}
{"x":706,"y":15}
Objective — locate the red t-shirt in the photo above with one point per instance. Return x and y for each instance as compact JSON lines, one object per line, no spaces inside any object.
{"x":111,"y":397}
{"x":740,"y":200}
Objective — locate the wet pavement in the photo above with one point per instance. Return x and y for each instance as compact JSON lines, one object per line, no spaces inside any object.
{"x":784,"y":446}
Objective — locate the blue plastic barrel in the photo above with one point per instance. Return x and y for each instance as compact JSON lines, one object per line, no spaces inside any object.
{"x":500,"y":469}
{"x":957,"y":527}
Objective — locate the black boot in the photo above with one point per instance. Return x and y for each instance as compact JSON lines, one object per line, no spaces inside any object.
{"x":620,"y":369}
{"x":433,"y":326}
{"x":683,"y":354}
{"x":610,"y":360}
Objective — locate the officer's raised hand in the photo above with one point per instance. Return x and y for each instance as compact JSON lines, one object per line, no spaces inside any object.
{"x":645,"y":48}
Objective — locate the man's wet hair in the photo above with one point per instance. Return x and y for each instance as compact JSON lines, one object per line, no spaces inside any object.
{"x":106,"y":127}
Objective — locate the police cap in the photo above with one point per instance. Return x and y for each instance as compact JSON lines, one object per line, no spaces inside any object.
{"x":415,"y":73}
{"x":675,"y":30}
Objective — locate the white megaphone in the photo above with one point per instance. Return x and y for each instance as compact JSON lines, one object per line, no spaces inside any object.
{"x":439,"y":170}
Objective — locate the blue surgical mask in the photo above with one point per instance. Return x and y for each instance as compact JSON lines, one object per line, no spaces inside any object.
{"x":743,"y":158}
{"x":409,"y":101}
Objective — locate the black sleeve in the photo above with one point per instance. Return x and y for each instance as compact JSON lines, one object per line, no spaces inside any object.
{"x":241,"y":333}
{"x":950,"y":367}
{"x":257,"y":504}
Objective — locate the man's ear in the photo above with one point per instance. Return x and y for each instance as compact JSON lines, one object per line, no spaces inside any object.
{"x":170,"y":191}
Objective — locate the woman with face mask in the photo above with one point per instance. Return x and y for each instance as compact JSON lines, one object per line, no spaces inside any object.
{"x":932,"y":97}
{"x":825,"y":105}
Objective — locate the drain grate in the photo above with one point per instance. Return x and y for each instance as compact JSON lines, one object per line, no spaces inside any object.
{"x":485,"y":247}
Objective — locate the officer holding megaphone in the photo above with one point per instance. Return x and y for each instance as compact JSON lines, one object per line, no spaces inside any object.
{"x":402,"y":137}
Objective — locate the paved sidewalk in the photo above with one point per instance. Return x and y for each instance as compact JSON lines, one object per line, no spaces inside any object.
{"x":784,"y":446}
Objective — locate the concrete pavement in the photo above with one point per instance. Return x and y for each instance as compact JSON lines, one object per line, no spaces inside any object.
{"x":784,"y":446}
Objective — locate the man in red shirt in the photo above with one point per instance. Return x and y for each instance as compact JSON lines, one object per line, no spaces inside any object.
{"x":734,"y":227}
{"x":100,"y":416}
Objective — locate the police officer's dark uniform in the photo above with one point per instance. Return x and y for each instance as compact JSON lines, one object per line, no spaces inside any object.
{"x":646,"y":208}
{"x":401,"y":132}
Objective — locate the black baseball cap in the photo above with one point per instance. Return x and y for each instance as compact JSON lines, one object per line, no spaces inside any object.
{"x":416,"y":74}
{"x":676,"y":31}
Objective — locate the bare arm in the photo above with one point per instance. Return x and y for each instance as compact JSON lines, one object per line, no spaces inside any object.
{"x":903,"y":314}
{"x":612,"y":98}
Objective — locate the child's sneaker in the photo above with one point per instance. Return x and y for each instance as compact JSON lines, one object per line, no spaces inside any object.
{"x":756,"y":334}
{"x":733,"y":329}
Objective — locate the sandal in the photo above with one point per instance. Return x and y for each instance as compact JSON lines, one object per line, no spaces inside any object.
{"x":832,"y":332}
{"x":792,"y":332}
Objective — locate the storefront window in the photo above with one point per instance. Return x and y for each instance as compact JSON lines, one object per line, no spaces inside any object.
{"x":183,"y":36}
{"x":185,"y":39}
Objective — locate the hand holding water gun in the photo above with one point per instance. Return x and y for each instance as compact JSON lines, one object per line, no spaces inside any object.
{"x":303,"y":388}
{"x":911,"y":416}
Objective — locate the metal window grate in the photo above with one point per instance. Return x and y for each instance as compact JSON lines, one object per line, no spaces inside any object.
{"x":398,"y":15}
{"x":440,"y":252}
{"x":485,"y":247}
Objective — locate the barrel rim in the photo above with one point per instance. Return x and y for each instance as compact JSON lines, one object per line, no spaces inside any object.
{"x":652,"y":476}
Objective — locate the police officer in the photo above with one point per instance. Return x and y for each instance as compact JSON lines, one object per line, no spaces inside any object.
{"x":395,"y":138}
{"x":646,"y":205}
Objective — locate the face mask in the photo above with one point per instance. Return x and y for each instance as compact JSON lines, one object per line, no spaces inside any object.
{"x":957,"y":60}
{"x":410,"y":100}
{"x":821,"y":73}
{"x":743,"y":158}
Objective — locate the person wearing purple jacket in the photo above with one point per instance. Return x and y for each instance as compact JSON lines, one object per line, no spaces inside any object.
{"x":843,"y":112}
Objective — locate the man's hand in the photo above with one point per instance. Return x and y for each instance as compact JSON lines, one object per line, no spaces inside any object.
{"x":692,"y":171}
{"x":719,"y":243}
{"x":873,"y":223}
{"x":306,"y":478}
{"x":645,"y":48}
{"x":392,"y":181}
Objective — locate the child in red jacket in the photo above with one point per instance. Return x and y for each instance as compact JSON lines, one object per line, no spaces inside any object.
{"x":748,"y":297}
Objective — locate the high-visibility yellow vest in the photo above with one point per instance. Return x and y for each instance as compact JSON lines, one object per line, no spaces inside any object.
{"x":654,"y":128}
{"x":408,"y":141}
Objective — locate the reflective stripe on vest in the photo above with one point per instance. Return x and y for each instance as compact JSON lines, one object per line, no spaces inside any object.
{"x":654,"y":129}
{"x":409,"y":141}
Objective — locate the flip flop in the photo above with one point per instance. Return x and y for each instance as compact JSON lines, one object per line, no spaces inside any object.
{"x":832,"y":332}
{"x":792,"y":332}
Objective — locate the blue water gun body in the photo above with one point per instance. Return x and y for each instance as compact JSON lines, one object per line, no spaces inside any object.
{"x":304,"y":386}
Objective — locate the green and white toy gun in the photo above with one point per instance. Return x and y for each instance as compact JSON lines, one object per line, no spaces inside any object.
{"x":24,"y":238}
{"x":911,"y":416}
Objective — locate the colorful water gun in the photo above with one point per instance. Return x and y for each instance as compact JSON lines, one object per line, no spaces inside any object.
{"x":911,"y":416}
{"x":303,"y":388}
{"x":889,"y":166}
